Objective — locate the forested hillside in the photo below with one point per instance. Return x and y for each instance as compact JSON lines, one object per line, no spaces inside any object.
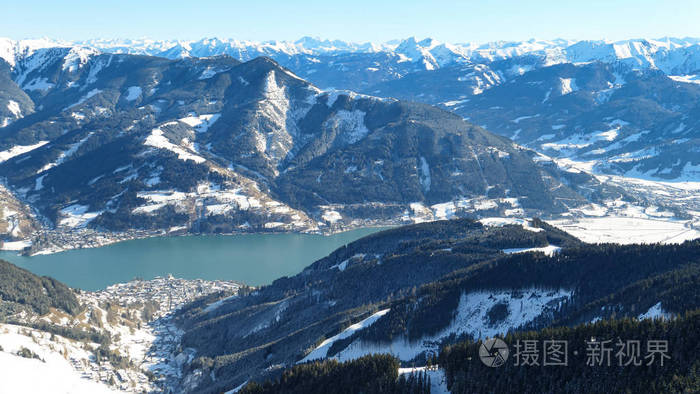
{"x":411,"y":290}
{"x":623,"y":370}
{"x":20,"y":289}
{"x":369,"y":374}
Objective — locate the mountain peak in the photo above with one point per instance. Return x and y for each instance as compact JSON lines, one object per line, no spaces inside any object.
{"x":410,"y":41}
{"x":428,"y":42}
{"x":264,"y":61}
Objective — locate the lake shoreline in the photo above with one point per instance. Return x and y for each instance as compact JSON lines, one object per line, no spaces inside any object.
{"x":251,"y":258}
{"x":57,"y":241}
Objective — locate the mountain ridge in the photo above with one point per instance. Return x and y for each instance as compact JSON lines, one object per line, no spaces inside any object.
{"x":126,"y":142}
{"x":642,"y":52}
{"x":363,"y":299}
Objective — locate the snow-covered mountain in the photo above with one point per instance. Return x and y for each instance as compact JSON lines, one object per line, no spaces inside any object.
{"x":127,"y":142}
{"x":637,"y":123}
{"x":360,"y":66}
{"x":666,"y":53}
{"x":212,"y":144}
{"x":671,"y":55}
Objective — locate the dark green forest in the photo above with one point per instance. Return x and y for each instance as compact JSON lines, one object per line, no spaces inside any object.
{"x":20,"y":288}
{"x":680,"y":373}
{"x":368,"y":374}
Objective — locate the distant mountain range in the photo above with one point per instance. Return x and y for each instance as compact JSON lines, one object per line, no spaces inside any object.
{"x":671,"y":55}
{"x":625,"y":107}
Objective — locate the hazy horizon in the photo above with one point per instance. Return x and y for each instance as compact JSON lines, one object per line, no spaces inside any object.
{"x":321,"y":38}
{"x":361,"y":21}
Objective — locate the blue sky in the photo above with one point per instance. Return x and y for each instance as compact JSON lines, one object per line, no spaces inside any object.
{"x":353,"y":20}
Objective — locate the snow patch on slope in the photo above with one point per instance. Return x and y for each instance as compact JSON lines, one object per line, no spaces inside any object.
{"x":568,"y":85}
{"x":42,"y":84}
{"x":321,"y":350}
{"x":83,"y":99}
{"x":655,"y":312}
{"x":523,"y":306}
{"x":216,"y":304}
{"x":77,"y":216}
{"x":200,"y":123}
{"x":218,"y":200}
{"x":158,"y":140}
{"x":350,"y":124}
{"x":277,"y":121}
{"x":77,"y":57}
{"x":13,"y":107}
{"x":19,"y":150}
{"x":500,"y":222}
{"x":65,"y":155}
{"x":549,"y":250}
{"x":132,"y":93}
{"x":424,"y":175}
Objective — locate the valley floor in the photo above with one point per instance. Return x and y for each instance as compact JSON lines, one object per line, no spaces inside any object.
{"x":671,"y":215}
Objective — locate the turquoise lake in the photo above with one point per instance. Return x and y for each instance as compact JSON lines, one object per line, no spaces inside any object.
{"x":254,"y":259}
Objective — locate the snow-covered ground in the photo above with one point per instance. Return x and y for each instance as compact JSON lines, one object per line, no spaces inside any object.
{"x":157,"y":140}
{"x":671,"y":213}
{"x":331,"y":216}
{"x":215,"y":305}
{"x":548,"y":250}
{"x":655,"y":312}
{"x":626,"y":230}
{"x":322,"y":350}
{"x":54,"y":372}
{"x":479,"y":206}
{"x":498,"y":222}
{"x":522,"y":305}
{"x":76,"y":216}
{"x":19,"y":149}
{"x":200,"y":123}
{"x":118,"y":311}
{"x":16,"y":245}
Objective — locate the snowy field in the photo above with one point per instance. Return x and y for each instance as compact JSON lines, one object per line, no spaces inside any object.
{"x":627,"y":230}
{"x":623,"y":222}
{"x":52,"y":372}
